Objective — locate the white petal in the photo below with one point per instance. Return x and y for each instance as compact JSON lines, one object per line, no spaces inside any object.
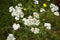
{"x":35,"y":14}
{"x":16,"y":26}
{"x":32,"y":29}
{"x":47,"y":25}
{"x":36,"y":30}
{"x":16,"y":18}
{"x":56,"y":13}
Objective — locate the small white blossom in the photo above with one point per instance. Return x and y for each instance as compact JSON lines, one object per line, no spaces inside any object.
{"x":35,"y":30}
{"x":30,"y":17}
{"x":56,"y":13}
{"x":24,"y":19}
{"x":20,"y":4}
{"x":16,"y":18}
{"x":36,"y":2}
{"x":32,"y":29}
{"x":21,"y":14}
{"x":48,"y":0}
{"x":17,"y":11}
{"x":11,"y":37}
{"x":27,"y":22}
{"x":35,"y":22}
{"x":47,"y":25}
{"x":54,"y":7}
{"x":32,"y":21}
{"x":16,"y":26}
{"x":42,"y":10}
{"x":35,"y":14}
{"x":11,"y":9}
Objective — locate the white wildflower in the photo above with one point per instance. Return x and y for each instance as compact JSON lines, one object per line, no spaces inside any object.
{"x":27,"y":22}
{"x":11,"y":9}
{"x":56,"y":13}
{"x":42,"y":10}
{"x":54,"y":7}
{"x":16,"y":26}
{"x":16,"y":18}
{"x":48,"y":0}
{"x":35,"y":14}
{"x":20,"y":4}
{"x":21,"y":14}
{"x":17,"y":11}
{"x":35,"y":30}
{"x":31,"y":21}
{"x":47,"y":25}
{"x":30,"y":17}
{"x":11,"y":37}
{"x":32,"y":29}
{"x":24,"y":19}
{"x":37,"y":23}
{"x":36,"y":2}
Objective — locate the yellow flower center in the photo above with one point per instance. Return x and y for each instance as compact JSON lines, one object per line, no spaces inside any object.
{"x":44,"y":5}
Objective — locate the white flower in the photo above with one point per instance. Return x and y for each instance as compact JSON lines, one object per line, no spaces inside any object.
{"x":36,"y":2}
{"x":24,"y":19}
{"x":20,"y":4}
{"x":47,"y":25}
{"x":11,"y":9}
{"x":35,"y":30}
{"x":32,"y":29}
{"x":17,"y":11}
{"x":37,"y":22}
{"x":11,"y":37}
{"x":21,"y":14}
{"x":48,"y":0}
{"x":16,"y":26}
{"x":30,"y":17}
{"x":54,"y":7}
{"x":28,"y":22}
{"x":56,"y":13}
{"x":42,"y":10}
{"x":31,"y":21}
{"x":18,"y":8}
{"x":35,"y":14}
{"x":16,"y":18}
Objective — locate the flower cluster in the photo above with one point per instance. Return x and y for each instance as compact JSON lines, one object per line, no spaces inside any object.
{"x":47,"y":25}
{"x":16,"y":26}
{"x":17,"y":11}
{"x":36,"y":1}
{"x":11,"y":37}
{"x":54,"y":9}
{"x":35,"y":30}
{"x":31,"y":21}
